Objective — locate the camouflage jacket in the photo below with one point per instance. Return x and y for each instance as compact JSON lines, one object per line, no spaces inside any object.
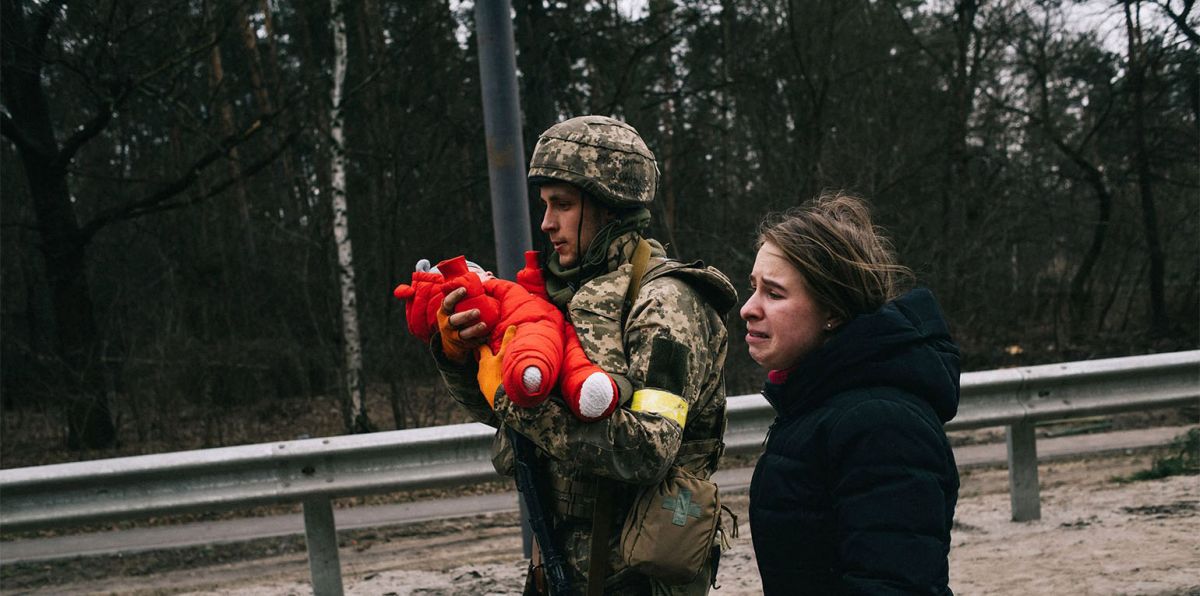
{"x":676,"y":320}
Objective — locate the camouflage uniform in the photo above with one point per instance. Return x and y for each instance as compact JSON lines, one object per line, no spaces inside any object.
{"x":676,"y":322}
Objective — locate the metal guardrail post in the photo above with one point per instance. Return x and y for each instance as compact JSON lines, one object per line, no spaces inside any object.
{"x":1023,"y":488}
{"x":320,"y":536}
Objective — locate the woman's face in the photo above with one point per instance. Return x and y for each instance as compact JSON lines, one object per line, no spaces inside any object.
{"x":783,"y":321}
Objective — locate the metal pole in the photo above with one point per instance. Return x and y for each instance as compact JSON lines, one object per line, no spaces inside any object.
{"x":1023,"y":472}
{"x":505,"y":152}
{"x":320,"y":536}
{"x":502,"y":125}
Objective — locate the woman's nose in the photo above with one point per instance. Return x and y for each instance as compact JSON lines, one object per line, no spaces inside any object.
{"x":749,"y":309}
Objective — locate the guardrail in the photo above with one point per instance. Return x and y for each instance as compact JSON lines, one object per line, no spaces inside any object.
{"x":314,"y":471}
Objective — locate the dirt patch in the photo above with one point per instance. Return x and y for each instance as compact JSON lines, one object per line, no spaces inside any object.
{"x":1096,"y":536}
{"x":1176,"y":509}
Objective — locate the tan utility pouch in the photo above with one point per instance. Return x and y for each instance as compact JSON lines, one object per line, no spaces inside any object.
{"x":668,"y":534}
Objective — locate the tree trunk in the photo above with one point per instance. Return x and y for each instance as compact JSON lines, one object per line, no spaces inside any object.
{"x":263,"y":80}
{"x":1081,"y":293}
{"x":811,"y":84}
{"x":355,"y":408}
{"x":539,"y":67}
{"x":667,"y":116}
{"x":269,"y":71}
{"x":89,"y":420}
{"x":1137,"y":72}
{"x":954,"y":169}
{"x":728,"y":52}
{"x":228,"y":129}
{"x":254,"y":61}
{"x":535,"y":48}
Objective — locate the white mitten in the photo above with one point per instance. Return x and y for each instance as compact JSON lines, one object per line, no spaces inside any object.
{"x":532,"y":379}
{"x":596,"y":395}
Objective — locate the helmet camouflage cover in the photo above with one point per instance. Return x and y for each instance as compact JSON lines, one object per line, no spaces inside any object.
{"x":603,"y":156}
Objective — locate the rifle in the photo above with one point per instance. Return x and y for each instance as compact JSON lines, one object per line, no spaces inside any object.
{"x":558,"y":577}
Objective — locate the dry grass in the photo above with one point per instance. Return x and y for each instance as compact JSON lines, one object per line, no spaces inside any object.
{"x":34,"y":436}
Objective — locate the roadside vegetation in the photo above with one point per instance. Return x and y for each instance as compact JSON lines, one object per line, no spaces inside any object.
{"x":1183,"y":458}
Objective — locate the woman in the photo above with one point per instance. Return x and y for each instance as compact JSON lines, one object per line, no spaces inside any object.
{"x":856,"y":489}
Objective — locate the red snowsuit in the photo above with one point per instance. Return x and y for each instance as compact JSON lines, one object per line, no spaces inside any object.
{"x":543,"y":340}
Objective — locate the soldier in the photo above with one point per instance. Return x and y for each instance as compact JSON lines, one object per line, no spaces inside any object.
{"x":656,"y":325}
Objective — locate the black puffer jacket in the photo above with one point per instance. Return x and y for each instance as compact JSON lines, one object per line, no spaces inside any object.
{"x":855,"y":492}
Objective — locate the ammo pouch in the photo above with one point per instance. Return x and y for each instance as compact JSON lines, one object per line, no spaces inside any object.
{"x":669,"y":531}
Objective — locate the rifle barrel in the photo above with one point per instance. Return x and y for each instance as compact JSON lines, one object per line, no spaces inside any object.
{"x":557,"y":573}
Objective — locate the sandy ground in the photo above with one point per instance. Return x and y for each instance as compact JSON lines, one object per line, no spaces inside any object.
{"x":1096,"y":536}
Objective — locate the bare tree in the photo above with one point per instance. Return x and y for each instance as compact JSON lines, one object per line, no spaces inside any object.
{"x":27,"y":121}
{"x":355,"y":408}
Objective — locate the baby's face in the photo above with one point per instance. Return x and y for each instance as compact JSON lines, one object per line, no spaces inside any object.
{"x":480,"y":272}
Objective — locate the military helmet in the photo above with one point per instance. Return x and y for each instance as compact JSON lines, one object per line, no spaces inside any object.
{"x":605,"y":157}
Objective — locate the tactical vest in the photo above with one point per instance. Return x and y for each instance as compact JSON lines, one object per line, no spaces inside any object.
{"x":599,"y":312}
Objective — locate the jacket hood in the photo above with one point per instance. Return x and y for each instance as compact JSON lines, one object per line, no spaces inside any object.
{"x":905,"y":344}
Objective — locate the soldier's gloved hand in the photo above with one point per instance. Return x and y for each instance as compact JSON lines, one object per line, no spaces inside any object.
{"x":461,"y":332}
{"x":490,"y":369}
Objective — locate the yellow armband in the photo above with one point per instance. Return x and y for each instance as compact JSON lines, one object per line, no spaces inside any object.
{"x":664,"y":403}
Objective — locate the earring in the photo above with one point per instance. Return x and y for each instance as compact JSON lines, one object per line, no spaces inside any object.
{"x":829,"y":325}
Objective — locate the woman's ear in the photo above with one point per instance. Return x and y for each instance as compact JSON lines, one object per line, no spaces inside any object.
{"x":833,"y":323}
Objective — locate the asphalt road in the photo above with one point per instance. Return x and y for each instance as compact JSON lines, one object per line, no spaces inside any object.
{"x":245,"y":529}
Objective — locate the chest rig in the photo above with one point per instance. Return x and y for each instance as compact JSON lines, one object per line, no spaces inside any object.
{"x":599,"y":312}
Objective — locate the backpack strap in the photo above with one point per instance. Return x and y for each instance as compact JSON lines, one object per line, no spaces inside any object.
{"x":640,"y":261}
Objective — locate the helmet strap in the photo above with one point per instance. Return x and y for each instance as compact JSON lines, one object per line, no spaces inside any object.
{"x":561,"y":282}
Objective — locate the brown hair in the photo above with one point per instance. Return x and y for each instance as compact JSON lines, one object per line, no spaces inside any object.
{"x":848,"y":263}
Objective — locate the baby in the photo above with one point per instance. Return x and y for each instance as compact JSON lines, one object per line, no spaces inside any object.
{"x":540,"y":352}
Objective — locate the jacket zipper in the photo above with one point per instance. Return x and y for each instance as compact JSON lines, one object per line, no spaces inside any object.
{"x":769,"y":429}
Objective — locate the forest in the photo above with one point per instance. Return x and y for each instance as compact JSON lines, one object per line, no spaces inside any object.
{"x":205,"y":204}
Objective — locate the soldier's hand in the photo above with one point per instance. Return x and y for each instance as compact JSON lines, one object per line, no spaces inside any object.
{"x":461,"y":332}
